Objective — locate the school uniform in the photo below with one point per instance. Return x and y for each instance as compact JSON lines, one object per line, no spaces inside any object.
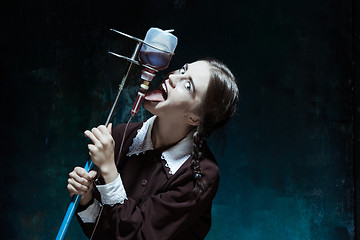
{"x":150,"y":197}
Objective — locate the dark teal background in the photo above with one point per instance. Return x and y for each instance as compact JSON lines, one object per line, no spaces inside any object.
{"x":288,"y":159}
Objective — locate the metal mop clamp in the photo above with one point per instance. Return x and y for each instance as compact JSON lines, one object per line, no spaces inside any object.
{"x":154,"y":53}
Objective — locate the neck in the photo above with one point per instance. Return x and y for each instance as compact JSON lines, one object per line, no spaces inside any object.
{"x":165,"y":133}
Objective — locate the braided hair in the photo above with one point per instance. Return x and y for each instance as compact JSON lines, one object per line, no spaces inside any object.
{"x":217,"y":108}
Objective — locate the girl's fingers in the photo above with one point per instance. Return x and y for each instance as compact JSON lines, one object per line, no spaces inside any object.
{"x":77,"y":186}
{"x":92,"y":137}
{"x":98,"y":134}
{"x":106,"y":133}
{"x":92,"y":174}
{"x":79,"y":179}
{"x":71,"y":190}
{"x":84,"y":174}
{"x":92,"y":149}
{"x":109,"y":127}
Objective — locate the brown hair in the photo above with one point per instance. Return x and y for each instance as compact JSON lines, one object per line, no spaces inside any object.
{"x":218,"y":107}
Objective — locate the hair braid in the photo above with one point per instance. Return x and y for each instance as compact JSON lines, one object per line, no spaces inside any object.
{"x":200,"y":183}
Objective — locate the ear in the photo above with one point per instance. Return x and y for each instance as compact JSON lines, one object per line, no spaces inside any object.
{"x":193,"y":119}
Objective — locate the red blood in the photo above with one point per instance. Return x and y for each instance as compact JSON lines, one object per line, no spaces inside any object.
{"x":157,"y":60}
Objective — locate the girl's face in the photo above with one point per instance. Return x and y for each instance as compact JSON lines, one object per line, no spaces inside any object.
{"x":180,"y":95}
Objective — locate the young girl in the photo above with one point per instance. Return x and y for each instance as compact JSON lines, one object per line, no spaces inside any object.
{"x":162,"y":183}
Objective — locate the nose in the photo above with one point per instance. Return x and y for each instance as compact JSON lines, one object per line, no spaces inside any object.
{"x":172,"y":80}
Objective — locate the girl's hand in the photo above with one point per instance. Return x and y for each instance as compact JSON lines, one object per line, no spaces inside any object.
{"x":81,"y":182}
{"x":101,"y":151}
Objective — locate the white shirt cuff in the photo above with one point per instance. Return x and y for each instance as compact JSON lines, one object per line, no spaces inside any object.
{"x":90,"y":214}
{"x":112,"y":193}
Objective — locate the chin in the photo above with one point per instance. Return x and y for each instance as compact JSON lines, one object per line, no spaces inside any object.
{"x":150,"y":106}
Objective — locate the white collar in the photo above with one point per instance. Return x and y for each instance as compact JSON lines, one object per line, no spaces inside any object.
{"x":174,"y":156}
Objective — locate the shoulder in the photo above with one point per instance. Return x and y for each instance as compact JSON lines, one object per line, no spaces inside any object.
{"x":211,"y":174}
{"x":209,"y":168}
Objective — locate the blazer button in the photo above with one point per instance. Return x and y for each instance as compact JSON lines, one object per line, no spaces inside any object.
{"x":143,"y":182}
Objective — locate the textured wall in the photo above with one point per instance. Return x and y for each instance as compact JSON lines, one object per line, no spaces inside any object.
{"x":286,"y":159}
{"x":356,"y":107}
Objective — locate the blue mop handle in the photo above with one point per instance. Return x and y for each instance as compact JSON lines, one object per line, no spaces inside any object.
{"x":72,"y":207}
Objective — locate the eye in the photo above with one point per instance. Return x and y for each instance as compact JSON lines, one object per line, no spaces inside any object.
{"x":188,"y":86}
{"x":182,"y":70}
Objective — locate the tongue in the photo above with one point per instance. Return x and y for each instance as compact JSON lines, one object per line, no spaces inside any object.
{"x":155,"y":96}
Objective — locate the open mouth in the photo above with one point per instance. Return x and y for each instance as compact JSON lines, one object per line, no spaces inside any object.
{"x":158,"y":95}
{"x":164,"y":90}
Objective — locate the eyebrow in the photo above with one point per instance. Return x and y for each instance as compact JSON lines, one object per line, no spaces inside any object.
{"x":192,"y":83}
{"x":186,"y":66}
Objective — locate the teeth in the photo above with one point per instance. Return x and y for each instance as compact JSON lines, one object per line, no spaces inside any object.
{"x":165,"y":94}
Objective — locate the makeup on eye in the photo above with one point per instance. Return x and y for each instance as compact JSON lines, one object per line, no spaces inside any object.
{"x":183,"y":69}
{"x":188,"y":86}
